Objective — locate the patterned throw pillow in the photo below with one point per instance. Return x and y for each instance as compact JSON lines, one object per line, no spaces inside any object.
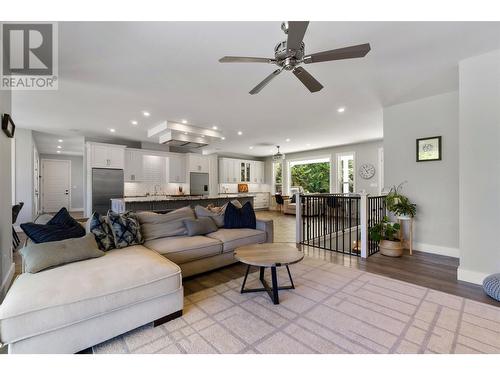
{"x":126,"y":229}
{"x":101,"y":230}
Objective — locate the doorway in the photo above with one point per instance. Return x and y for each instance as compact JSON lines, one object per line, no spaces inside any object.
{"x":56,"y":185}
{"x":346,"y":178}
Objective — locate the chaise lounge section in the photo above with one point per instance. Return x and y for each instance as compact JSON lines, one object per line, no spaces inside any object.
{"x":75,"y":306}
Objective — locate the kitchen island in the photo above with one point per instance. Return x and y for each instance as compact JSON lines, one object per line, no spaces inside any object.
{"x":166,"y":203}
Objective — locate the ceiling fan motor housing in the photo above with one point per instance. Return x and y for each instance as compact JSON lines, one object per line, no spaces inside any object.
{"x":288,"y":58}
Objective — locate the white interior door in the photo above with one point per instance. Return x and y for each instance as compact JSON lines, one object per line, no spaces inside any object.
{"x":56,"y":185}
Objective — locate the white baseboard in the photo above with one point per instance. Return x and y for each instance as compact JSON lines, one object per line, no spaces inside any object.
{"x":7,"y":281}
{"x":439,"y":250}
{"x":470,"y":276}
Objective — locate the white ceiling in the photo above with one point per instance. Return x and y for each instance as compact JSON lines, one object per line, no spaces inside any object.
{"x":48,"y":143}
{"x":110,"y":72}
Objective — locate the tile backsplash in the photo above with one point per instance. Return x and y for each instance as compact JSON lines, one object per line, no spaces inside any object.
{"x":252,"y":188}
{"x":135,"y":189}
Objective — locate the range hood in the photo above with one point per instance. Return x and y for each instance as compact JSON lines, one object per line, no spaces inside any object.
{"x":184,"y":136}
{"x":177,"y":139}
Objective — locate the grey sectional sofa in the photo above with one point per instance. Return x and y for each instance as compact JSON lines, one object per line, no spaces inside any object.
{"x":78,"y":305}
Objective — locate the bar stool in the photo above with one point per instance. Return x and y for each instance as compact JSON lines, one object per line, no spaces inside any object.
{"x":279,"y":201}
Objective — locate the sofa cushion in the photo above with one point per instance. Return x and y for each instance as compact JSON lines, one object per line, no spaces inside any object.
{"x":233,"y":238}
{"x":182,"y":249}
{"x":199,"y":227}
{"x":37,"y":257}
{"x":155,"y":225}
{"x":215,"y":213}
{"x":59,"y":297}
{"x":126,"y":229}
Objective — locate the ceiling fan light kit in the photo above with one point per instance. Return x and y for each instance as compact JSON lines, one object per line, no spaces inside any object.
{"x":290,"y":53}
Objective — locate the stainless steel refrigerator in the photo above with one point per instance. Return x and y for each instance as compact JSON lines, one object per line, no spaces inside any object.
{"x":198,"y":183}
{"x":106,"y":184}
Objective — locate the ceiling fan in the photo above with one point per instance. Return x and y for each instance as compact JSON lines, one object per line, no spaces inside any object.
{"x":289,"y":54}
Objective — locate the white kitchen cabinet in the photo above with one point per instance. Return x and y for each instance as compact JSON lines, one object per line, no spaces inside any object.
{"x":262,"y":200}
{"x":198,"y":163}
{"x":176,"y":169}
{"x":154,"y":169}
{"x":133,"y":166}
{"x":107,"y":156}
{"x":229,"y":171}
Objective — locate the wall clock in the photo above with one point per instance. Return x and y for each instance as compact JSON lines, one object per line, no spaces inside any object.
{"x":367,"y":171}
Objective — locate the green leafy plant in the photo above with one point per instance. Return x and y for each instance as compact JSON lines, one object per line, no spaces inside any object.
{"x":385,"y":230}
{"x":398,"y":203}
{"x":405,"y":208}
{"x":313,"y":177}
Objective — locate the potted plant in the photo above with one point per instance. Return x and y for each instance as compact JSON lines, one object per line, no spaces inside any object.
{"x":399,"y":204}
{"x":385,"y":233}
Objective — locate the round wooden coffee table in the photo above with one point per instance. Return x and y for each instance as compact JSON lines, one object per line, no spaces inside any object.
{"x":268,"y":255}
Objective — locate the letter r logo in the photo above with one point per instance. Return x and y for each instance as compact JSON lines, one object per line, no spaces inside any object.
{"x":27,"y":49}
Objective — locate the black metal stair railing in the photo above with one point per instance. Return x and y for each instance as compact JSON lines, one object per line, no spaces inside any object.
{"x":331,"y":222}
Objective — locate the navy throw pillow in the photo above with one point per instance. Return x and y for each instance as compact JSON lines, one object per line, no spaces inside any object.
{"x":40,"y":233}
{"x":63,"y":218}
{"x":243,"y":217}
{"x":61,"y":227}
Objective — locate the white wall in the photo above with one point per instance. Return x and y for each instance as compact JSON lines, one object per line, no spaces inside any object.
{"x":6,"y":263}
{"x":76,"y":177}
{"x":479,"y":133}
{"x":365,"y":153}
{"x":432,"y":185}
{"x":24,"y":174}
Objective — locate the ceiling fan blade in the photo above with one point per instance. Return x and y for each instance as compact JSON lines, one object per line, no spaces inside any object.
{"x":266,"y":80}
{"x":296,"y":32}
{"x":308,"y":80}
{"x":351,"y":52}
{"x":240,"y":59}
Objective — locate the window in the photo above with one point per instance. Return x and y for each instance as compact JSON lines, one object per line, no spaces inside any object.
{"x":313,"y":176}
{"x":278,"y":177}
{"x":345,"y":173}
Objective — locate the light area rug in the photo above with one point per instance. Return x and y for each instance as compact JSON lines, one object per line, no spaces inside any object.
{"x":334,"y":309}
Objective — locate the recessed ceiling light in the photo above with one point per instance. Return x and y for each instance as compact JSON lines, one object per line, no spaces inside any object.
{"x":60,"y":140}
{"x":112,"y":130}
{"x":223,"y":138}
{"x":146,"y":113}
{"x":59,"y":146}
{"x":184,"y":121}
{"x":288,"y":139}
{"x":341,"y":109}
{"x":215,"y":127}
{"x":58,"y":151}
{"x":240,"y":133}
{"x":133,"y":122}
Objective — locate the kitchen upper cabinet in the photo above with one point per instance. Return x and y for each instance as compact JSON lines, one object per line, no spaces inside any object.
{"x":229,"y":171}
{"x":154,"y":169}
{"x":133,"y":166}
{"x":106,"y":156}
{"x":176,"y":169}
{"x":198,"y":163}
